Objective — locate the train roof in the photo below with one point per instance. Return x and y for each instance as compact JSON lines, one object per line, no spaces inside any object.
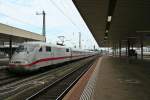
{"x":53,"y":45}
{"x":81,"y":50}
{"x":43,"y":43}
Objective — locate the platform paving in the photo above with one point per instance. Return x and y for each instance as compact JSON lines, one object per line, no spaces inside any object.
{"x":77,"y":90}
{"x":120,"y":79}
{"x":114,"y":79}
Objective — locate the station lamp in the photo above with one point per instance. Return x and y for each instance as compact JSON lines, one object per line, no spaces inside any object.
{"x":109,"y":18}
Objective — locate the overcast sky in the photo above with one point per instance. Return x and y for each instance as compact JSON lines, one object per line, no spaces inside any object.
{"x":62,"y":19}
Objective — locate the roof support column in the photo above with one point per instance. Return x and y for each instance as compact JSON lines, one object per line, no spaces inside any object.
{"x":119,"y":48}
{"x":132,"y":46}
{"x":128,"y":44}
{"x":141,"y":48}
{"x":116,"y":49}
{"x":113,"y":50}
{"x":10,"y":48}
{"x":3,"y":49}
{"x":108,"y":51}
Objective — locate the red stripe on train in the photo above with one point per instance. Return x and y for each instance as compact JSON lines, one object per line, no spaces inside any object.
{"x":44,"y":60}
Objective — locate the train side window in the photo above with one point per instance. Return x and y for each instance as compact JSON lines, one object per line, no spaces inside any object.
{"x":67,"y":50}
{"x":40,"y":50}
{"x":48,"y":49}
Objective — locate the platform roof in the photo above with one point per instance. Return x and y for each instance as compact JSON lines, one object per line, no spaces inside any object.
{"x":17,"y":35}
{"x":130,"y":19}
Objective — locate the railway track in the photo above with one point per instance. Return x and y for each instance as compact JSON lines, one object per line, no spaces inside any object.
{"x":24,"y":88}
{"x":58,"y":89}
{"x":6,"y":78}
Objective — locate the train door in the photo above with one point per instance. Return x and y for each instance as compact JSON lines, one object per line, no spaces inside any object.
{"x":58,"y":54}
{"x":39,"y":56}
{"x":71,"y":54}
{"x":49,"y":55}
{"x":68,"y":54}
{"x":42,"y":57}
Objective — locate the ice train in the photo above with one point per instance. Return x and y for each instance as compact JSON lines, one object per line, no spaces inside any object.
{"x":31,"y":56}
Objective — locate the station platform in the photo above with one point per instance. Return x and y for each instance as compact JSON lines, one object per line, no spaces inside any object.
{"x":114,"y":79}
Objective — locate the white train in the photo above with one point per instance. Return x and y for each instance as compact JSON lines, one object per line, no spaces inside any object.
{"x":33,"y":55}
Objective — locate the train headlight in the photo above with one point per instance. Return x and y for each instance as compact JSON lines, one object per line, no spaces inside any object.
{"x":24,"y":62}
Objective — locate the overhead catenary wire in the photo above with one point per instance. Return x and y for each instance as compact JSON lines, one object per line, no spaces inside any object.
{"x":18,"y":20}
{"x":66,"y":15}
{"x":60,"y":9}
{"x":72,"y":22}
{"x":64,"y":5}
{"x":85,"y":26}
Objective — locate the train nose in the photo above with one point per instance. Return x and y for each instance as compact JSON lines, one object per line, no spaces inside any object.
{"x":18,"y":65}
{"x":20,"y":55}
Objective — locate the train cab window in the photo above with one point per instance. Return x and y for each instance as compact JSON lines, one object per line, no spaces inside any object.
{"x":40,"y":50}
{"x":67,"y":50}
{"x":21,"y":48}
{"x":48,"y":49}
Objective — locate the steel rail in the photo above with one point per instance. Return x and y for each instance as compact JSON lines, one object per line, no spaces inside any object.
{"x":58,"y":81}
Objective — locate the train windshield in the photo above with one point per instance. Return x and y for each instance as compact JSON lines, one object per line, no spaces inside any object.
{"x":25,"y":48}
{"x":21,"y":48}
